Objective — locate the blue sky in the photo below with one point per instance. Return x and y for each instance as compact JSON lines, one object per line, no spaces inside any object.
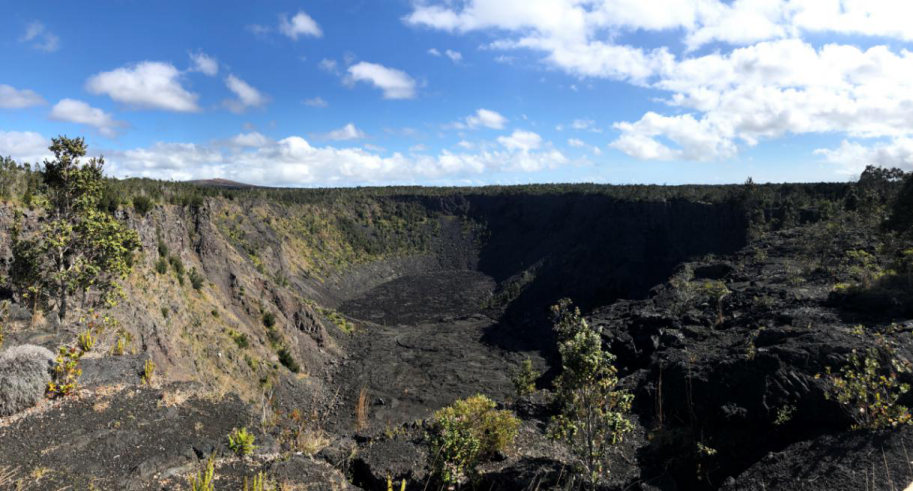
{"x":441,"y":92}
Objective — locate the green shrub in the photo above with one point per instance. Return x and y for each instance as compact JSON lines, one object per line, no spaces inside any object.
{"x":466,"y":434}
{"x":86,"y":341}
{"x":288,"y":360}
{"x":165,"y":312}
{"x":142,"y":204}
{"x":592,"y":413}
{"x":161,"y":265}
{"x":239,"y":338}
{"x":525,"y":379}
{"x":869,"y":392}
{"x":24,"y":377}
{"x":196,"y":279}
{"x":178,"y":266}
{"x":148,"y":371}
{"x":204,"y":480}
{"x":269,"y":319}
{"x":65,"y":376}
{"x":241,"y":442}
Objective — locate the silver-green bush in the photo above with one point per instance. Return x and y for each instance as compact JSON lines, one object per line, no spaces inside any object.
{"x":24,"y":376}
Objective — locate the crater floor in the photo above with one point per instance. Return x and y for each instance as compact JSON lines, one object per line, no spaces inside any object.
{"x":419,"y":347}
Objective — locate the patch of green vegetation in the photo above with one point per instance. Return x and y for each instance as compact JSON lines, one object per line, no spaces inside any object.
{"x":869,"y":391}
{"x":466,"y":434}
{"x":197,"y":280}
{"x":142,"y":204}
{"x":524,"y":379}
{"x":511,"y":290}
{"x":338,"y":320}
{"x":288,"y":359}
{"x":239,"y":338}
{"x":241,"y":442}
{"x":591,"y":417}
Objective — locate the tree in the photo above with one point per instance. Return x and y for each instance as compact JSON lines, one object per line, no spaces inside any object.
{"x":591,"y":418}
{"x":77,"y":247}
{"x":901,"y":219}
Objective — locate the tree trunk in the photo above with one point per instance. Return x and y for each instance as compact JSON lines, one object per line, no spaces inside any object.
{"x":62,"y":312}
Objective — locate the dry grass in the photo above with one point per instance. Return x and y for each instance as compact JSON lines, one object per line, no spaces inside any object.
{"x":361,"y":410}
{"x":173,"y":398}
{"x":7,"y":476}
{"x":101,"y":406}
{"x":310,"y":441}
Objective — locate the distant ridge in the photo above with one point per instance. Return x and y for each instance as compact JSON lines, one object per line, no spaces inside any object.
{"x":221,"y":183}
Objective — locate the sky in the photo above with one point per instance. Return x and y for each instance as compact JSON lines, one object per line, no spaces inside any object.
{"x":463,"y":92}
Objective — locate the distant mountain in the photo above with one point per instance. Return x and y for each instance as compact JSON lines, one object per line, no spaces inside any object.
{"x":221,"y":183}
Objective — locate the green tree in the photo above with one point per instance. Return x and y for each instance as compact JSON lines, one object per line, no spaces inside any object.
{"x":77,"y":248}
{"x":901,"y":218}
{"x":592,"y":413}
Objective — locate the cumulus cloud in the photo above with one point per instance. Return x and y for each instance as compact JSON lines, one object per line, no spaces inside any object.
{"x":851,"y":158}
{"x":763,"y":82}
{"x":347,"y":132}
{"x":315,"y":102}
{"x":79,"y":112}
{"x":395,"y":84}
{"x":145,"y":85}
{"x":246,"y":95}
{"x":252,"y":139}
{"x":293,"y":161}
{"x":301,"y":24}
{"x":24,"y":146}
{"x":576,"y":143}
{"x":204,"y":64}
{"x":519,"y":140}
{"x":40,"y":38}
{"x":12,"y":98}
{"x":483,"y":118}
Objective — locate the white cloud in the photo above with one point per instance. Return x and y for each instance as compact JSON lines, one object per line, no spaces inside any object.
{"x":418,"y":148}
{"x":40,"y":38}
{"x":455,"y":56}
{"x":395,"y":84}
{"x":522,"y":141}
{"x":347,"y":132}
{"x":853,"y":157}
{"x":434,"y":52}
{"x":293,"y":161}
{"x":204,"y":64}
{"x":247,"y":96}
{"x":24,"y":146}
{"x":149,"y":84}
{"x":576,"y":143}
{"x":329,"y":66}
{"x":698,"y":139}
{"x":763,"y":82}
{"x":486,"y":118}
{"x":316,"y":102}
{"x":11,"y":98}
{"x":300,"y":25}
{"x":74,"y":111}
{"x":252,"y":139}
